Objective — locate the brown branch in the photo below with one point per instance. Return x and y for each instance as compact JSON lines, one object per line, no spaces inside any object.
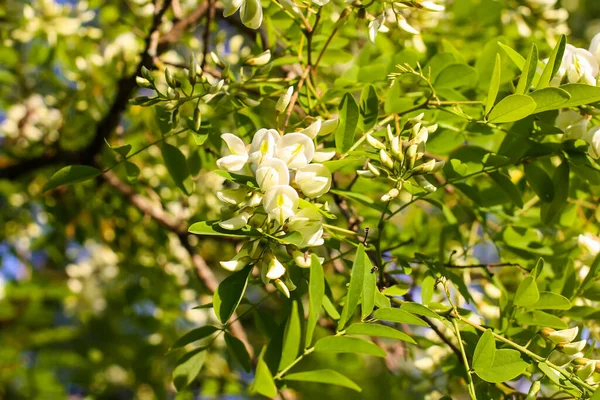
{"x":210,"y":15}
{"x":295,"y":96}
{"x":170,"y":223}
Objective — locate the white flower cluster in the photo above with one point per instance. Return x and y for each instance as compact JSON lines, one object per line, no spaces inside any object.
{"x":399,"y":14}
{"x":570,"y":351}
{"x":285,"y":167}
{"x":31,"y":121}
{"x":580,"y":65}
{"x":53,"y":19}
{"x":576,"y":126}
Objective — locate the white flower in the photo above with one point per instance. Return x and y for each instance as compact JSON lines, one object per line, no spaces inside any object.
{"x":282,"y":288}
{"x":323,"y":155}
{"x":587,"y":370}
{"x":275,"y":269}
{"x":238,"y":262}
{"x":329,"y":126}
{"x":284,"y":100}
{"x":572,"y":123}
{"x":314,"y":180}
{"x":595,"y":47}
{"x":264,"y":145}
{"x":259,"y":60}
{"x":590,"y":245}
{"x":573,"y":348}
{"x":377,"y":25}
{"x":313,"y":129}
{"x":296,"y":150}
{"x":580,"y":65}
{"x":236,"y":157}
{"x":237,"y":222}
{"x":280,"y":202}
{"x":308,"y":222}
{"x":320,"y":2}
{"x":592,"y":137}
{"x":431,"y":6}
{"x":564,"y":335}
{"x":272,"y":172}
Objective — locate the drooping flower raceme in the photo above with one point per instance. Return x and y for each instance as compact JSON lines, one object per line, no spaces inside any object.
{"x":282,"y":201}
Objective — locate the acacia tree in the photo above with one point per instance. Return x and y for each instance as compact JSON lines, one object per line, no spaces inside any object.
{"x":410,"y":181}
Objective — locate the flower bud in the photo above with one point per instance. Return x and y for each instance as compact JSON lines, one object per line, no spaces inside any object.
{"x":365,"y":173}
{"x":215,"y":58}
{"x":192,"y":71}
{"x":571,"y":348}
{"x":284,"y":100}
{"x":413,"y":121}
{"x":422,"y":136}
{"x":259,"y":60}
{"x":405,"y":26}
{"x":425,"y":184}
{"x":239,"y":261}
{"x":374,"y":142}
{"x":147,"y":74}
{"x":373,"y":169}
{"x":172,"y":94}
{"x":431,"y":6}
{"x":587,"y":370}
{"x":393,"y":193}
{"x":313,"y":129}
{"x":197,"y":120}
{"x":396,"y":149}
{"x":438,"y":166}
{"x":143,"y":82}
{"x":282,"y":288}
{"x":170,"y":79}
{"x":275,"y":269}
{"x":385,"y":159}
{"x":389,"y":134}
{"x":432,"y":128}
{"x":564,"y":335}
{"x":424,"y":168}
{"x":301,"y":259}
{"x":411,"y":156}
{"x":237,"y":222}
{"x":329,"y":126}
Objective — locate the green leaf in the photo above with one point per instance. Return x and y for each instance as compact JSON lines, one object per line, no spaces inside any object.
{"x":330,"y":308}
{"x":323,"y":376}
{"x":419,"y":309}
{"x":528,"y":71}
{"x":316,"y":292}
{"x":507,"y":366}
{"x":357,"y":278}
{"x":513,"y":55}
{"x":291,"y":338}
{"x":348,"y":114}
{"x":229,"y":293}
{"x":368,"y":290}
{"x":188,"y":367}
{"x":456,"y":75}
{"x":494,"y":85}
{"x":239,"y":351}
{"x":540,"y":182}
{"x":343,"y":344}
{"x":369,"y":107}
{"x":551,"y":373}
{"x":550,"y":212}
{"x":551,"y":301}
{"x":512,"y":108}
{"x":381,"y":301}
{"x":549,"y":98}
{"x":251,"y":13}
{"x":541,"y":318}
{"x":360,"y":198}
{"x":123,"y":150}
{"x":485,"y":351}
{"x":508,"y":187}
{"x":553,"y":64}
{"x":581,"y":94}
{"x":245,"y":180}
{"x":133,"y":172}
{"x":527,"y":292}
{"x":379,"y":331}
{"x":212,"y":228}
{"x":178,"y":167}
{"x":71,"y":174}
{"x":194,"y":335}
{"x":263,"y":380}
{"x":399,"y":316}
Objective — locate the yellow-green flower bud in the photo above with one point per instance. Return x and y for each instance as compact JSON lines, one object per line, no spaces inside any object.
{"x":385,"y":159}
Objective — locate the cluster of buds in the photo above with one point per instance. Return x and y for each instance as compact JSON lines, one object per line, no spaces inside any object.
{"x":289,"y":176}
{"x":576,"y":126}
{"x":563,"y":340}
{"x":399,"y":160}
